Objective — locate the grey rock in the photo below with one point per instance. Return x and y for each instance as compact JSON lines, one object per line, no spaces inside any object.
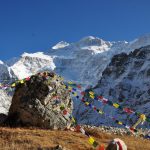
{"x":59,"y":147}
{"x":38,"y":101}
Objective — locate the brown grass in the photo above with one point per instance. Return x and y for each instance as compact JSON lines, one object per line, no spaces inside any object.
{"x":38,"y":139}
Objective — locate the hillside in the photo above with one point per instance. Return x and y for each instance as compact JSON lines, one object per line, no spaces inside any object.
{"x":37,"y":139}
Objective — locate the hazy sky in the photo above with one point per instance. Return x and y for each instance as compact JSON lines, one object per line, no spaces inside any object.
{"x":36,"y":25}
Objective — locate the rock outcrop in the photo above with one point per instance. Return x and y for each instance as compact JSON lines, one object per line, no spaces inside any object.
{"x":37,"y":102}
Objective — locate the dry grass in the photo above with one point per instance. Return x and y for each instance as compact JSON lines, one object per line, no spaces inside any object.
{"x":38,"y":139}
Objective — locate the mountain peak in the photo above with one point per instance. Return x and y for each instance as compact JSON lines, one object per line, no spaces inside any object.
{"x":89,"y":38}
{"x":91,"y":41}
{"x":61,"y":44}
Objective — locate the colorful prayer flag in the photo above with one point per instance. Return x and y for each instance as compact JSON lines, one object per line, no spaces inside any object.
{"x":91,"y":140}
{"x":115,"y":105}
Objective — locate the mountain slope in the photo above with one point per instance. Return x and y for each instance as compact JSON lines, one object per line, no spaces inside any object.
{"x":126,"y":81}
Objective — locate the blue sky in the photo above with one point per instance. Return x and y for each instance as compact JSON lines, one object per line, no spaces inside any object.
{"x":35,"y":25}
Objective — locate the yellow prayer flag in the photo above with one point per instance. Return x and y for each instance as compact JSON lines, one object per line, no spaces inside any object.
{"x":142,"y":117}
{"x":91,"y":140}
{"x":69,"y":87}
{"x":91,"y":93}
{"x":100,"y":112}
{"x":92,"y":96}
{"x":120,"y":123}
{"x":21,"y":81}
{"x":13,"y":85}
{"x":87,"y":103}
{"x":73,"y":119}
{"x":115,"y":105}
{"x":70,"y":82}
{"x":75,"y":94}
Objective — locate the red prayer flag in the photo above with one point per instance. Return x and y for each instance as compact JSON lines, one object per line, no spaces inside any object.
{"x":100,"y":97}
{"x":104,"y":101}
{"x":65,"y":112}
{"x":94,"y":108}
{"x":28,"y":78}
{"x":77,"y":128}
{"x":128,"y":110}
{"x":79,"y":86}
{"x":82,"y":93}
{"x":101,"y":147}
{"x":82,"y":99}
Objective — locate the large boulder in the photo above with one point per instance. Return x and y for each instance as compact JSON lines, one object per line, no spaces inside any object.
{"x":38,"y":102}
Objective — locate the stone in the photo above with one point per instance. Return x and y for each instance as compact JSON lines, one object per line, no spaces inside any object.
{"x":59,"y":147}
{"x":37,"y":102}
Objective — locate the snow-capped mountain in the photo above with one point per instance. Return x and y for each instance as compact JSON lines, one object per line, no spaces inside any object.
{"x":84,"y":61}
{"x":29,"y":64}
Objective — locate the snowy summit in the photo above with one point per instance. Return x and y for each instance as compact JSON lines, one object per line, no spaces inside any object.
{"x":60,"y":45}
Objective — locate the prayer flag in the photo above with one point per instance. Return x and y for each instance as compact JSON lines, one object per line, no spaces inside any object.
{"x":79,"y":86}
{"x":92,"y":96}
{"x":13,"y":85}
{"x":115,"y":105}
{"x":21,"y":81}
{"x":120,"y":123}
{"x":101,"y":147}
{"x":91,"y":140}
{"x":91,"y":93}
{"x":82,"y":93}
{"x":87,"y":103}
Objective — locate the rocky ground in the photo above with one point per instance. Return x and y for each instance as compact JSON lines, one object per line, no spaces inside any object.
{"x":39,"y":139}
{"x":118,"y":131}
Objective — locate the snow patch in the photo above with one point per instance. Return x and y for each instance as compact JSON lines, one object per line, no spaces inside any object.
{"x":29,"y":64}
{"x":38,"y":55}
{"x":60,"y":45}
{"x":1,"y":62}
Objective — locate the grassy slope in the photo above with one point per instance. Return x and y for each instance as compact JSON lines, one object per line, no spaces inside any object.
{"x":25,"y":139}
